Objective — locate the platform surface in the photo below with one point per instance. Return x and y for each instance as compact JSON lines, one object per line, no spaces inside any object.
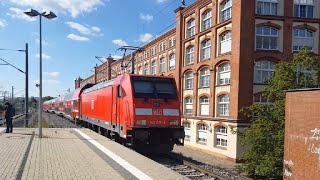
{"x":72,"y":154}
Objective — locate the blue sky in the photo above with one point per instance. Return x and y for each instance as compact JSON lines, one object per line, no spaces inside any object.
{"x":83,"y":29}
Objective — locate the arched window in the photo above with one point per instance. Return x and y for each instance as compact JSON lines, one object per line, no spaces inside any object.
{"x":187,"y":130}
{"x":225,"y":42}
{"x":146,"y":68}
{"x":206,"y":20}
{"x":188,"y":105}
{"x":190,"y":55}
{"x":223,"y":105}
{"x":205,"y":77}
{"x":221,"y":136}
{"x":191,"y":28}
{"x":226,"y":10}
{"x":204,"y":105}
{"x":153,"y":67}
{"x":302,"y":38}
{"x":189,"y":80}
{"x":202,"y":133}
{"x":162,"y":64}
{"x":266,"y":38}
{"x":263,"y":71}
{"x":172,"y":61}
{"x":206,"y":49}
{"x":224,"y":74}
{"x":267,"y":7}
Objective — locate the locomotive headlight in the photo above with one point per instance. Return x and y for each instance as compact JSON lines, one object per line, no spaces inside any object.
{"x":174,"y":122}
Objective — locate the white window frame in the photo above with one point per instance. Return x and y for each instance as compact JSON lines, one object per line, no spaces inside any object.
{"x":153,"y":67}
{"x":189,"y":80}
{"x":301,"y":38}
{"x":139,"y":70}
{"x":202,"y":133}
{"x":204,"y":77}
{"x":267,"y":37}
{"x":224,"y":74}
{"x":305,"y":3}
{"x":268,"y":7}
{"x":172,"y":61}
{"x":226,"y":11}
{"x":162,"y":64}
{"x":221,"y":136}
{"x":191,"y":27}
{"x":190,"y":55}
{"x":207,"y":16}
{"x":224,"y":105}
{"x":187,"y":130}
{"x":225,"y":42}
{"x":188,"y":105}
{"x":206,"y":49}
{"x":262,"y":74}
{"x":146,"y":68}
{"x":204,"y":105}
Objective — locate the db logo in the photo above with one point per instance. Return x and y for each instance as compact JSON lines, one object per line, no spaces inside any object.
{"x":157,"y":112}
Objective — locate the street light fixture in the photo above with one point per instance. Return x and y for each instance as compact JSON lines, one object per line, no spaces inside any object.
{"x":50,"y":15}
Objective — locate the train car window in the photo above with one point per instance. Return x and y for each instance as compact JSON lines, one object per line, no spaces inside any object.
{"x":119,"y":91}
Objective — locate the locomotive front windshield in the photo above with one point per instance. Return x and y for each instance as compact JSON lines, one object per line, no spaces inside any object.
{"x":152,"y":87}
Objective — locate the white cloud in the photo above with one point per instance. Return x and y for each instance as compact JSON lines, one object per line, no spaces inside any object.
{"x":19,"y":14}
{"x":44,"y":42}
{"x":3,"y":23}
{"x":119,"y":42}
{"x":145,"y":37}
{"x":72,"y":7}
{"x":83,"y":29}
{"x":161,"y":1}
{"x":96,"y":29}
{"x":146,"y":17}
{"x":44,"y":56}
{"x":77,"y":38}
{"x":53,"y":74}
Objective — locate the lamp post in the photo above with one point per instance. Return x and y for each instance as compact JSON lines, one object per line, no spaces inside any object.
{"x":50,"y":15}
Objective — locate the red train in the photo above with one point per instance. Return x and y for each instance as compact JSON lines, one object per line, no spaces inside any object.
{"x":137,"y":110}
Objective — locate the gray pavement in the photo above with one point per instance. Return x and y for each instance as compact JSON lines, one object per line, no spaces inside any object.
{"x":72,"y":154}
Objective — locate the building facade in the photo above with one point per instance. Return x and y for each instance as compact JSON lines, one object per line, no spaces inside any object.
{"x":220,"y":53}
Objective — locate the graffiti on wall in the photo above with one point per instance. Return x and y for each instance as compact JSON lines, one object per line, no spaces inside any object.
{"x":288,"y":168}
{"x":315,"y":136}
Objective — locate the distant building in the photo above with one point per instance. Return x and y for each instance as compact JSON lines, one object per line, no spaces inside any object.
{"x":302,"y":135}
{"x":220,"y":53}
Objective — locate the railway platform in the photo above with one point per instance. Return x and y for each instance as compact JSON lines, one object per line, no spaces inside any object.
{"x":72,"y":153}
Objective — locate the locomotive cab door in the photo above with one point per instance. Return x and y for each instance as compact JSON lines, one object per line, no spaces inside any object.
{"x":115,"y":110}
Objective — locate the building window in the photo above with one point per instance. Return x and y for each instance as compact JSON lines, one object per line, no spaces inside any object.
{"x":172,"y":61}
{"x":205,"y":77}
{"x":162,"y":64}
{"x":152,"y":52}
{"x":224,"y":74}
{"x":206,"y":49}
{"x":263,"y":71}
{"x":225,"y":42}
{"x":153,"y":67}
{"x":191,"y":28}
{"x":302,"y":38}
{"x":139,"y":70}
{"x":190,"y":55}
{"x":226,"y":10}
{"x":303,"y":8}
{"x":267,"y":7}
{"x":206,"y":20}
{"x":189,"y":80}
{"x":187,"y":130}
{"x":204,"y":105}
{"x":174,"y":41}
{"x":202,"y":133}
{"x":188,"y":105}
{"x":259,"y":98}
{"x":223,"y":105}
{"x":266,"y":38}
{"x":146,"y":70}
{"x":170,"y":43}
{"x":221,"y":136}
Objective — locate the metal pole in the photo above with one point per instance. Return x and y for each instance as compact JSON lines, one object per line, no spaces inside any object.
{"x":27,"y":89}
{"x":40,"y":84}
{"x":12,"y":94}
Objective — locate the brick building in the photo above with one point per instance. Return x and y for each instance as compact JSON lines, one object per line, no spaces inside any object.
{"x":220,"y":53}
{"x":302,"y":135}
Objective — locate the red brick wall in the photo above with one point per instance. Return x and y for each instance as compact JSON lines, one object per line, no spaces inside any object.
{"x":302,"y":135}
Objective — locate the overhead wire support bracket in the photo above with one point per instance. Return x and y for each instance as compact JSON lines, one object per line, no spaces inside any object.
{"x":133,"y":48}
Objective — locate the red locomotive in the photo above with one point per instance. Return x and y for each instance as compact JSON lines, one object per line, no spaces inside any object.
{"x":137,"y":110}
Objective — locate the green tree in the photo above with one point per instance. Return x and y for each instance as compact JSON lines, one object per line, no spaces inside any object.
{"x":47,"y":98}
{"x":264,"y":138}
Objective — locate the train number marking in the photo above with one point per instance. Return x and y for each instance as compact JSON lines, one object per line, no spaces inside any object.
{"x":157,"y":112}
